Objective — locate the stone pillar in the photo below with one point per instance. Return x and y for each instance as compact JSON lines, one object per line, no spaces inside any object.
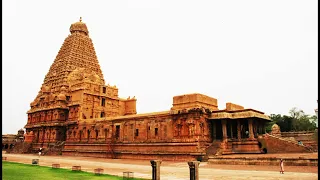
{"x":155,"y":164}
{"x":239,"y":129}
{"x":224,"y":128}
{"x":194,"y":170}
{"x":43,"y":135}
{"x":214,"y":129}
{"x":231,"y":133}
{"x":251,"y":135}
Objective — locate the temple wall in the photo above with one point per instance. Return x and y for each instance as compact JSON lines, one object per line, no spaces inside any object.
{"x":150,"y":136}
{"x":122,"y":107}
{"x":130,"y":106}
{"x":188,"y":101}
{"x":124,"y":155}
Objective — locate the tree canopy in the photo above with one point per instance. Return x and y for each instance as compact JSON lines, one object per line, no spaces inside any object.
{"x":296,"y":121}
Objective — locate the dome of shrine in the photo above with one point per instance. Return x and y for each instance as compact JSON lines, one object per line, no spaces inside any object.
{"x":79,"y":27}
{"x":61,"y":97}
{"x":63,"y":88}
{"x":275,"y":126}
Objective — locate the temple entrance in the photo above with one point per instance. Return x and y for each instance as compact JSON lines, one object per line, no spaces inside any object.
{"x":216,"y":130}
{"x":232,"y":129}
{"x":63,"y":132}
{"x":117,"y":132}
{"x":219,"y":130}
{"x":38,"y":135}
{"x":88,"y":134}
{"x":244,"y":128}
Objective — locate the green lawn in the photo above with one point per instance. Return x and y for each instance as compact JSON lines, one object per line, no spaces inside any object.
{"x":18,"y":171}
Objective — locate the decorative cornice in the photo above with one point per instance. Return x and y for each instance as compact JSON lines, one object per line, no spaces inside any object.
{"x":238,"y":115}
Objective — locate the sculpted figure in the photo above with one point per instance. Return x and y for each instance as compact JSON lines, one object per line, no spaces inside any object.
{"x":275,"y":130}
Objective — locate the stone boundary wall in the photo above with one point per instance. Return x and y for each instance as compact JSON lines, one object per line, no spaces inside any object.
{"x":163,"y":151}
{"x":278,"y":145}
{"x":264,"y":161}
{"x":300,"y":136}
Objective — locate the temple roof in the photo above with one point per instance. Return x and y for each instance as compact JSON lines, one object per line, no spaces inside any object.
{"x":75,"y":62}
{"x":79,"y":27}
{"x":76,"y":53}
{"x":238,"y":114}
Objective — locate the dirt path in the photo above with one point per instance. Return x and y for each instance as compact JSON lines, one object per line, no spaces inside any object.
{"x":171,"y":170}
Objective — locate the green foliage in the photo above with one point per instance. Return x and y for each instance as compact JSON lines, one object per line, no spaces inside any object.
{"x":18,"y":171}
{"x":297,"y":121}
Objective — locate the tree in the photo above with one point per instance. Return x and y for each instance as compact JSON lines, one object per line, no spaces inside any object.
{"x":296,"y":121}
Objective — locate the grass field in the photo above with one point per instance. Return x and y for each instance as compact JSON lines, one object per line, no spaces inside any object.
{"x":18,"y":171}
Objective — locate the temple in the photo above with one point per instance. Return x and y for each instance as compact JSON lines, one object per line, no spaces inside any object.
{"x":75,"y":106}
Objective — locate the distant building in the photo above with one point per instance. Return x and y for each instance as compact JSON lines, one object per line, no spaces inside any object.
{"x":9,"y":140}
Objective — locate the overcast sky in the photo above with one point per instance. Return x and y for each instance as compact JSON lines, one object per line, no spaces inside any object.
{"x":258,"y":54}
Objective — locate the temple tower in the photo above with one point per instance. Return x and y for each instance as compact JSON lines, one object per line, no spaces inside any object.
{"x":73,"y":90}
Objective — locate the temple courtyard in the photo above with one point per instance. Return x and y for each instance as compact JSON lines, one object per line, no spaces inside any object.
{"x":175,"y":169}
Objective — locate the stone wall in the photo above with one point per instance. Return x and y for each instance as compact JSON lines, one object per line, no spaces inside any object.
{"x":279,"y":145}
{"x":300,"y":136}
{"x":189,"y":101}
{"x":141,"y":136}
{"x":164,"y":151}
{"x":231,"y":107}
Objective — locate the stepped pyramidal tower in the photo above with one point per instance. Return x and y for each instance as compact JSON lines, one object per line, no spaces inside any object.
{"x":74,"y":90}
{"x":76,"y":113}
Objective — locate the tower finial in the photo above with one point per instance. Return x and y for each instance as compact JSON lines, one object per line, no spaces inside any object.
{"x":80,"y":19}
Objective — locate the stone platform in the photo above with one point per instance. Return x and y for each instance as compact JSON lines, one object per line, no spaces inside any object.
{"x":172,"y":170}
{"x":294,"y":159}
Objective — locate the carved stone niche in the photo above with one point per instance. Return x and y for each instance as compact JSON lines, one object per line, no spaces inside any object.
{"x":179,"y":122}
{"x":190,"y":121}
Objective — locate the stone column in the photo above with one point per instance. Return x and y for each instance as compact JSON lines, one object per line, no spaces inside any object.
{"x":251,"y":135}
{"x":194,"y":170}
{"x":224,"y":128}
{"x":239,"y":129}
{"x":231,"y":133}
{"x":214,"y":129}
{"x":155,"y":164}
{"x":43,"y":135}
